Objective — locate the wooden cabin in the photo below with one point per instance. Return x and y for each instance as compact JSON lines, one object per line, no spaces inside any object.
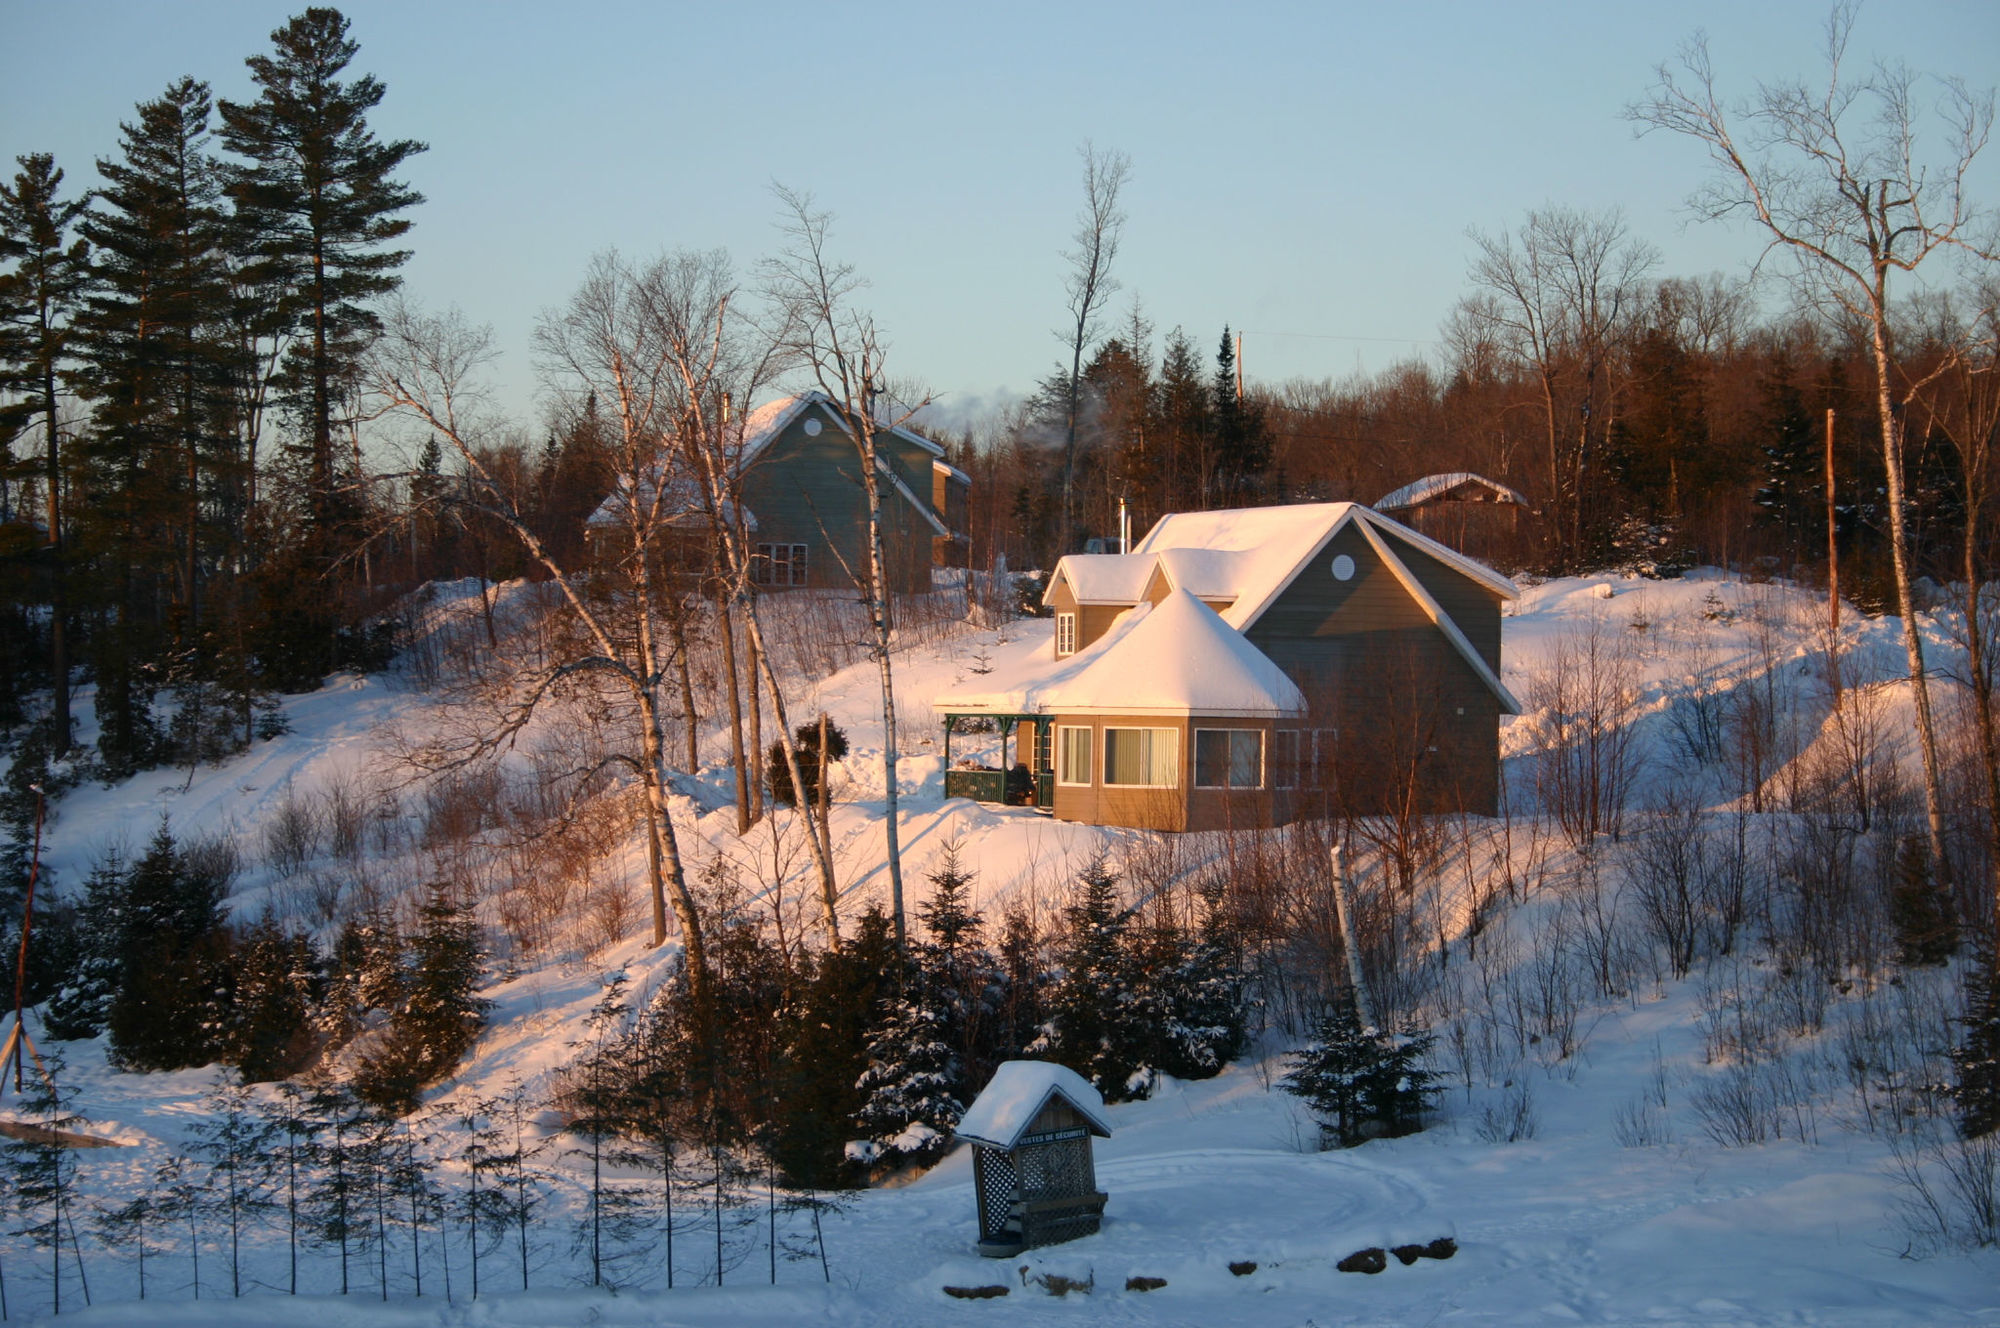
{"x":1033,"y":1171}
{"x":1263,"y":664}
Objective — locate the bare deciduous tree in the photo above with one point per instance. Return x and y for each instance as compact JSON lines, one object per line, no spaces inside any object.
{"x":423,"y":370}
{"x":1089,"y":287}
{"x":1554,"y":300}
{"x":1843,"y":176}
{"x":844,"y":351}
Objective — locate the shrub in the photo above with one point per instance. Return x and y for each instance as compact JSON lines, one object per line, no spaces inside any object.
{"x":1362,"y":1084}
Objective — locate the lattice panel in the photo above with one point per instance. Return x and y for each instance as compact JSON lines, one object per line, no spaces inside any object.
{"x":997,"y":1184}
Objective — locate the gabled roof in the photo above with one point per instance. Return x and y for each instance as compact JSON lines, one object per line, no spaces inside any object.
{"x":1249,"y":556}
{"x":1456,"y":486}
{"x":762,"y":425}
{"x":1019,"y":1090}
{"x":1104,"y":578}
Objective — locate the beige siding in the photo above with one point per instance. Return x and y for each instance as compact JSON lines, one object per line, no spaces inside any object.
{"x":1182,"y":808}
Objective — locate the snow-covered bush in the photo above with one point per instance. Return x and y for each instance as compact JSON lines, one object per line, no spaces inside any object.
{"x":1360,"y":1083}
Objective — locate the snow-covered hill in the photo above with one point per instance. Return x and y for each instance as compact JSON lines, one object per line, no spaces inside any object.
{"x":1592,"y":1187}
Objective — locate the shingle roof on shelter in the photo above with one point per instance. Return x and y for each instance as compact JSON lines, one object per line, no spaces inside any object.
{"x":1019,"y":1090}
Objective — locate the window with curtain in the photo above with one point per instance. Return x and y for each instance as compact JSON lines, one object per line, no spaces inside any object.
{"x":1143,"y":758}
{"x":1072,"y":755}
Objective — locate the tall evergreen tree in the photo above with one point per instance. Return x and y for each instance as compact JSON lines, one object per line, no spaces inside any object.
{"x":47,"y":274}
{"x":159,"y":365}
{"x":319,"y":195}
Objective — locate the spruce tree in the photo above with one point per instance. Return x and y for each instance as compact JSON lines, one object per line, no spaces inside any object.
{"x":1097,"y":1016}
{"x":910,"y":1102}
{"x":43,"y":277}
{"x":1359,"y":1082}
{"x":440,"y":1014}
{"x":232,"y":1140}
{"x":319,"y":195}
{"x":41,"y":1169}
{"x":1921,"y":909}
{"x":174,"y":947}
{"x":1976,"y":1060}
{"x":270,"y":1030}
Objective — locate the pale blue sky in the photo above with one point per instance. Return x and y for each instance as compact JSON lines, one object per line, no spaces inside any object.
{"x":1297,"y":169}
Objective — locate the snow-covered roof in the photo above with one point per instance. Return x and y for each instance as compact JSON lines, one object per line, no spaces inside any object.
{"x":1019,"y":1090}
{"x":1460,"y":486}
{"x":680,"y":507}
{"x":1246,"y":555}
{"x":1174,"y":658}
{"x":1104,"y":578}
{"x":765,"y":423}
{"x":1178,"y":658}
{"x":950,"y":471}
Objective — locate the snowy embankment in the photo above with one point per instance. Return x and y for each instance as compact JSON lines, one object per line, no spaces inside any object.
{"x":1585,"y":1188}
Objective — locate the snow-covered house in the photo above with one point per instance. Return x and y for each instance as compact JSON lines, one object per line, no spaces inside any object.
{"x":804,"y":511}
{"x":1250,"y":666}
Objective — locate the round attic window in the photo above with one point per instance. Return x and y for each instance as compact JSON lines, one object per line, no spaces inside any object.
{"x":1343,"y":567}
{"x":812,"y":428}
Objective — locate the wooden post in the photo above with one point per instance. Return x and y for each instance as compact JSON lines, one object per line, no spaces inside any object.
{"x":1832,"y":574}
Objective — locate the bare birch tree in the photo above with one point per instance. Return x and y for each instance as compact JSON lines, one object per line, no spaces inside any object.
{"x":1843,"y":176}
{"x":422,"y":370}
{"x":844,"y":352}
{"x":690,"y":303}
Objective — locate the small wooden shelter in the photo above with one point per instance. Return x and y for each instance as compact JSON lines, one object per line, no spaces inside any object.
{"x":1031,"y":1163}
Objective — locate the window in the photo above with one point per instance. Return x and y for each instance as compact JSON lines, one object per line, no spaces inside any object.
{"x":779,"y":565}
{"x":1065,"y":633}
{"x":1144,"y":758}
{"x":1302,"y":758}
{"x":1228,"y":758}
{"x":1072,"y":755}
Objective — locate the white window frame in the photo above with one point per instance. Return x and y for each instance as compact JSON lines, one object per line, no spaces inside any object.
{"x":1173,"y":761}
{"x":766,"y":566}
{"x":1229,"y":762}
{"x":1065,"y":634}
{"x":1064,"y":765}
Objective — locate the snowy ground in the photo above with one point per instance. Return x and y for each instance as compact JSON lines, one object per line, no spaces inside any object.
{"x":1565,"y":1226}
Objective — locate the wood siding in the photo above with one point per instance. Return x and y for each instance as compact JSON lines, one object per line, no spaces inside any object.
{"x":1374,"y":667}
{"x":807,"y":490}
{"x":1182,"y":808}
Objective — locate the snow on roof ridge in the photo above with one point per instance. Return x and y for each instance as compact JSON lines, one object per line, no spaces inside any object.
{"x":1016,"y":1094}
{"x":1424,"y":489}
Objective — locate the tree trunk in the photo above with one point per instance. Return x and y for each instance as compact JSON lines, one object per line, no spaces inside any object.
{"x":829,"y":891}
{"x":727,"y":622}
{"x":1913,"y":646}
{"x":878,"y":615}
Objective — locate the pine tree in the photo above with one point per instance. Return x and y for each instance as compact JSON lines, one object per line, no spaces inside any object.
{"x":232,"y":1140}
{"x":293,"y":1124}
{"x":440,"y":1014}
{"x":1921,"y":910}
{"x":1358,"y":1082}
{"x":81,"y":1008}
{"x":1193,"y":993}
{"x":270,"y":1031}
{"x":909,"y":1091}
{"x":39,"y":298}
{"x":1096,"y":1023}
{"x":41,"y":1168}
{"x":959,"y":974}
{"x":814,"y":1096}
{"x":334,"y":1197}
{"x":159,"y":367}
{"x":173,"y":951}
{"x":1976,"y":1060}
{"x":320,"y":198}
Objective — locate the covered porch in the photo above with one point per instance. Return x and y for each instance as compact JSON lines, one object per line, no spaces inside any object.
{"x":1025,"y":775}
